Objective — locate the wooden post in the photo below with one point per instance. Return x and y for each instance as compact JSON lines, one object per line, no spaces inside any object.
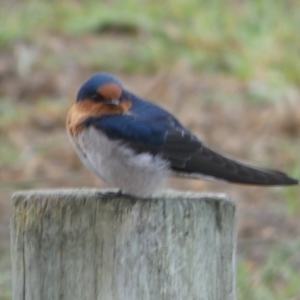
{"x":89,"y":245}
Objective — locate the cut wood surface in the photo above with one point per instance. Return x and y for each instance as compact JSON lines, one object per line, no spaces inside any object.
{"x":92,"y":245}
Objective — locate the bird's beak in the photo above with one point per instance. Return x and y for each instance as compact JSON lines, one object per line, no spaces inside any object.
{"x":114,"y":102}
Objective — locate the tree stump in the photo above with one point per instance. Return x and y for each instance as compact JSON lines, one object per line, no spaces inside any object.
{"x":93,"y":245}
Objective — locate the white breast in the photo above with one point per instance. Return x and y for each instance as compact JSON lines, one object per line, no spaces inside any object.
{"x":141,"y":175}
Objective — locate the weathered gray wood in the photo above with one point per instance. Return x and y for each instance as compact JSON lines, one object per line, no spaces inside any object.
{"x":82,"y":244}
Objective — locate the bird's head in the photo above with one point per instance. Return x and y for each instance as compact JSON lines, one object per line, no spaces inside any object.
{"x":103,"y":94}
{"x":101,"y":87}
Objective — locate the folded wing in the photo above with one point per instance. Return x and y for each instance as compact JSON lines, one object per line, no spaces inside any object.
{"x":190,"y":157}
{"x":186,"y":155}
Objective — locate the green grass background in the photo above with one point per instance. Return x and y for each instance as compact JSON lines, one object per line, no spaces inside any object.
{"x":246,"y":39}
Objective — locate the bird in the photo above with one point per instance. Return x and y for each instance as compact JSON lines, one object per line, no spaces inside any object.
{"x":137,"y":146}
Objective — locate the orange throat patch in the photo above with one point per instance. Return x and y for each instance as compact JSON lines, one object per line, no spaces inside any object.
{"x":87,"y":108}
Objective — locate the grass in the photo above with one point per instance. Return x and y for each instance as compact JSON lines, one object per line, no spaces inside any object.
{"x":5,"y":276}
{"x":276,"y":279}
{"x":248,"y":39}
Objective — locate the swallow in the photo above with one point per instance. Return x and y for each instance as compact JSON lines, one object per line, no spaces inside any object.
{"x":136,"y":145}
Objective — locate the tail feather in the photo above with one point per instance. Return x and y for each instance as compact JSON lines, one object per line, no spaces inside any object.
{"x":220,"y":167}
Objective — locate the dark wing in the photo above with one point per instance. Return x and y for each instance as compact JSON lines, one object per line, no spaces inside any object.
{"x":186,"y":155}
{"x":141,"y":135}
{"x":190,"y":157}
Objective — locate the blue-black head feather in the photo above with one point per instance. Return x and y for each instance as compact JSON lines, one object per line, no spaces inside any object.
{"x":90,"y":87}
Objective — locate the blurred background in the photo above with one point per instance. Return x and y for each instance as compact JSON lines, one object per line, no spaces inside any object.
{"x":229,"y":70}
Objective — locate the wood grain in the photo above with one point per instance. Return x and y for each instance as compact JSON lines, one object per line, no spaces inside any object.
{"x":87,"y":244}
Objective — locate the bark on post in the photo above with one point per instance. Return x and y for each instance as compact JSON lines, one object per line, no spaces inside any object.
{"x":85,"y":244}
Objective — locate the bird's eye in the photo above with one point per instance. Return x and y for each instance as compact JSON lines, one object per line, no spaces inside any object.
{"x":97,"y":97}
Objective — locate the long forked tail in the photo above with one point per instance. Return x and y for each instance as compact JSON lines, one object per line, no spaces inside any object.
{"x":246,"y":174}
{"x":208,"y":164}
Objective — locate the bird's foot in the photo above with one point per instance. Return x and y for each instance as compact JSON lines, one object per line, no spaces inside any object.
{"x":111,"y":195}
{"x":114,"y":195}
